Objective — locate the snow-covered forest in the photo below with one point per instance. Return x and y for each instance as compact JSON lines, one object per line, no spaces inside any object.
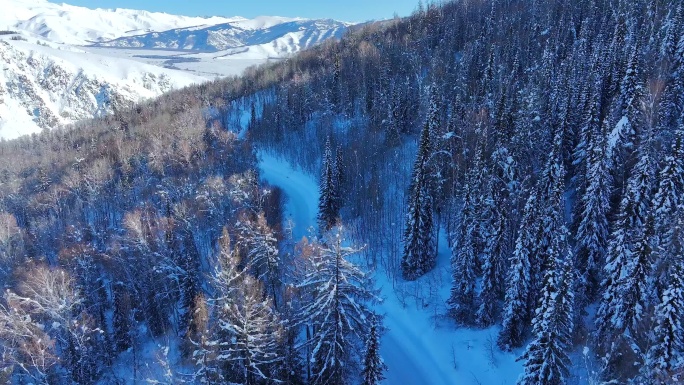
{"x":509,"y":173}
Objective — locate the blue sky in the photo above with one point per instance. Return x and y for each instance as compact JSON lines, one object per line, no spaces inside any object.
{"x":346,"y":10}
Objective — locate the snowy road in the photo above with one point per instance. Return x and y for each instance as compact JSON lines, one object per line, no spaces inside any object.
{"x":406,"y":347}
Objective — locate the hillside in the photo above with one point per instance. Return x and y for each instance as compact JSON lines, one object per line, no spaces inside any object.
{"x":63,"y":63}
{"x":67,"y":24}
{"x":42,"y":87}
{"x":483,"y":192}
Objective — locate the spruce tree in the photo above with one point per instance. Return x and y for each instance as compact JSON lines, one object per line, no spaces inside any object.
{"x":373,"y":365}
{"x":666,"y":203}
{"x":546,"y":359}
{"x":626,"y":286}
{"x":496,"y":234}
{"x":543,"y":220}
{"x":337,"y":311}
{"x":664,"y":362}
{"x":592,"y":232}
{"x":461,"y":303}
{"x":338,"y":180}
{"x":519,"y":288}
{"x":495,"y":250}
{"x":328,"y":199}
{"x":419,"y":239}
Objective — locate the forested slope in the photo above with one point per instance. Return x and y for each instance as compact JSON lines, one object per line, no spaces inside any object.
{"x":549,"y":147}
{"x":543,"y":137}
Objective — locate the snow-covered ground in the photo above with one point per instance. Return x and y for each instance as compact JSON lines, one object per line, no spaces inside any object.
{"x":64,"y":23}
{"x":205,"y":64}
{"x":421,"y":346}
{"x":48,"y":84}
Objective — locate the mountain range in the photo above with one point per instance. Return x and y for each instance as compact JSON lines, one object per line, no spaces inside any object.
{"x":60,"y":63}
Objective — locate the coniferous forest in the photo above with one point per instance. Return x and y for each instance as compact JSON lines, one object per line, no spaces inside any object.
{"x":542,"y":141}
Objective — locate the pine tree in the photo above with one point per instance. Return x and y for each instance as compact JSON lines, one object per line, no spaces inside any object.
{"x":592,"y":232}
{"x":496,"y":247}
{"x":582,"y":154}
{"x":328,"y":200}
{"x":664,"y":360}
{"x":419,"y":243}
{"x":496,"y":234}
{"x":461,"y":303}
{"x":666,"y":203}
{"x":626,"y":285}
{"x":519,"y":288}
{"x":373,"y":365}
{"x":339,"y":179}
{"x":337,"y":310}
{"x":543,"y":220}
{"x":546,"y":358}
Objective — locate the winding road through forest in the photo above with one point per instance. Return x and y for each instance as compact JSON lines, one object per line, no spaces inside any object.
{"x":404,"y":347}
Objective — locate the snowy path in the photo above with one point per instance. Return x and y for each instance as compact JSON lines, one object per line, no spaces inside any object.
{"x":416,"y":353}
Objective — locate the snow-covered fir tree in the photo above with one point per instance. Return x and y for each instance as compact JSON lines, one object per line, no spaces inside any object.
{"x":543,"y":220}
{"x":328,"y":200}
{"x":519,"y":287}
{"x":592,"y":232}
{"x":664,"y":362}
{"x":547,"y":360}
{"x":500,"y":187}
{"x":339,"y":177}
{"x":495,"y":249}
{"x":419,"y":255}
{"x":461,"y":302}
{"x":666,"y":203}
{"x":627,"y":289}
{"x":338,"y":310}
{"x":373,"y":366}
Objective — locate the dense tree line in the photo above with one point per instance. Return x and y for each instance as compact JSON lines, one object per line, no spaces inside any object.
{"x":545,"y":138}
{"x":153,"y":225}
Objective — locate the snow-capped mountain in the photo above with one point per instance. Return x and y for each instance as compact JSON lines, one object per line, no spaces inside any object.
{"x":43,"y":87}
{"x":63,"y":23}
{"x":65,"y":63}
{"x":286,"y":37}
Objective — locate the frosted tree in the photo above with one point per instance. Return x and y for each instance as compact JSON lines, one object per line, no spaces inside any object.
{"x":519,"y":288}
{"x":664,"y":360}
{"x":496,"y":247}
{"x":546,"y":358}
{"x":543,"y":220}
{"x":337,"y":311}
{"x":206,"y":371}
{"x":328,"y":201}
{"x":626,"y":286}
{"x":248,"y":331}
{"x":339,"y":179}
{"x":419,"y":255}
{"x":592,"y":232}
{"x":666,"y":202}
{"x":496,"y":233}
{"x":373,"y":365}
{"x":461,"y":302}
{"x":583,"y":152}
{"x":261,"y":250}
{"x":122,"y":320}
